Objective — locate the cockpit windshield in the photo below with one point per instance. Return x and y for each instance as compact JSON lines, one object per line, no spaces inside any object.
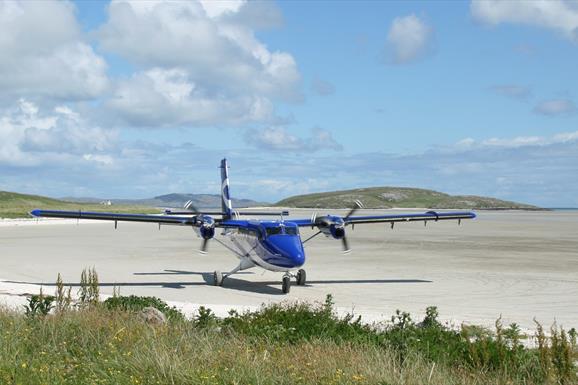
{"x":273,"y":230}
{"x":280,"y":230}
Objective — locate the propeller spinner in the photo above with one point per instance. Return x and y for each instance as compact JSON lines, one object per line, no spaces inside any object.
{"x":334,"y":226}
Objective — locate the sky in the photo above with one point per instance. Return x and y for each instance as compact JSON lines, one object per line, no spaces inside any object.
{"x":129,"y":99}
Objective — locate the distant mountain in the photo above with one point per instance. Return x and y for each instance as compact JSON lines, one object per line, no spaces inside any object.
{"x":394,"y":197}
{"x":204,"y":201}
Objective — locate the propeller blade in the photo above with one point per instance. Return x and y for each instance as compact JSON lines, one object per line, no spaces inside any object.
{"x":345,"y":244}
{"x":204,"y":246}
{"x":190,"y":206}
{"x":357,"y":205}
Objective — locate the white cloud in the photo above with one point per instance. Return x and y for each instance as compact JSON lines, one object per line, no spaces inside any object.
{"x":210,"y":49}
{"x":279,"y":139}
{"x":30,"y":137}
{"x":513,"y":91}
{"x":555,"y":107}
{"x":272,"y":188}
{"x":160,"y":97}
{"x":519,"y":141}
{"x":409,"y":39}
{"x":559,"y":15}
{"x":218,"y":8}
{"x":104,"y":159}
{"x":44,"y":55}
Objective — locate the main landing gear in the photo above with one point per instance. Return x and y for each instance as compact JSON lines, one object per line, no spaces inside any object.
{"x":300,"y":278}
{"x":218,"y":278}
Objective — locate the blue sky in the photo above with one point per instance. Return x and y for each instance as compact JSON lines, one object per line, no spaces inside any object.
{"x":139,"y":99}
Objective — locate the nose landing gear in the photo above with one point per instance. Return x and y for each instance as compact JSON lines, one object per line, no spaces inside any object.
{"x":300,"y":279}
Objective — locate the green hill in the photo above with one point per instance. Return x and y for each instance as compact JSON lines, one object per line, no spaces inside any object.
{"x":398,"y":197}
{"x":14,"y":205}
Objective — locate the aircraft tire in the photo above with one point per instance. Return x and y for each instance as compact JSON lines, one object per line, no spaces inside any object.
{"x":218,"y":278}
{"x":301,"y":277}
{"x":286,"y":284}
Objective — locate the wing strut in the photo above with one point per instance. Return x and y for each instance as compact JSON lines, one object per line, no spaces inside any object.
{"x":313,"y":236}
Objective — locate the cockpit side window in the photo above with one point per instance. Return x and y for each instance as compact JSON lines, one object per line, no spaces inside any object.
{"x":291,"y":230}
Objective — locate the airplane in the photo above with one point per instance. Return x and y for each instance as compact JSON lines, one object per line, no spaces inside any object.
{"x":273,"y":245}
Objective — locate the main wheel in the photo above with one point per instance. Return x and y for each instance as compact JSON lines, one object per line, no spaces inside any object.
{"x":301,"y":277}
{"x":218,"y":278}
{"x":286,"y":284}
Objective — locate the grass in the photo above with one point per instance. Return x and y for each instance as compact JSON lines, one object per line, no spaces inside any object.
{"x":13,"y":205}
{"x":292,"y":343}
{"x":390,"y":197}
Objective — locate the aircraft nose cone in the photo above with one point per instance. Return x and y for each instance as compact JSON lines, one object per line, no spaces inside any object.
{"x":290,"y":248}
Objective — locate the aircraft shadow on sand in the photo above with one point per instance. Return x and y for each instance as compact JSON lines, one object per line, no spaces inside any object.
{"x":262,"y":287}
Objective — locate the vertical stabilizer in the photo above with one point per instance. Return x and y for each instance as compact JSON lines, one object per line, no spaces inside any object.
{"x":225,"y":197}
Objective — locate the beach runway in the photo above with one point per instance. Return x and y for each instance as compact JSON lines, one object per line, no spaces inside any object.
{"x":514,"y":264}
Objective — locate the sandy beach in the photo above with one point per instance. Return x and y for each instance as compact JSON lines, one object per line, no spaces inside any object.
{"x":520,"y":265}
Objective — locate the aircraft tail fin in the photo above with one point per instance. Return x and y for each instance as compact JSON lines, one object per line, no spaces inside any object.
{"x":225,"y":195}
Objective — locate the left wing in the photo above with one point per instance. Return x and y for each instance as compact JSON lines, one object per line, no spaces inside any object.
{"x":393,"y":218}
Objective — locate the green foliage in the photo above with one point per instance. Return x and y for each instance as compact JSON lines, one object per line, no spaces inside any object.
{"x":135,"y":303}
{"x":431,"y":317}
{"x":62,"y":297}
{"x":14,"y":205}
{"x":474,"y":348}
{"x":295,"y":322}
{"x":39,"y":305}
{"x":206,"y":318}
{"x":89,"y":292}
{"x":292,"y":343}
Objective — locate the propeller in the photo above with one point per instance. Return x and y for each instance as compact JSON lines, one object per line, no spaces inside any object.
{"x":190,"y":206}
{"x":345,"y":245}
{"x":334,"y":226}
{"x":356,"y":206}
{"x":206,"y":231}
{"x":204,"y":246}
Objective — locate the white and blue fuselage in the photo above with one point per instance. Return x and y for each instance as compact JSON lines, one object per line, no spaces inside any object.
{"x":272,"y":245}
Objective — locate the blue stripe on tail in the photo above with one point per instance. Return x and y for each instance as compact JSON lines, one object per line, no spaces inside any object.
{"x":226,"y":204}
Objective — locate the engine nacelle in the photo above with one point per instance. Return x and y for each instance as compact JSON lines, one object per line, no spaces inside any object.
{"x":207,"y":226}
{"x":207,"y":232}
{"x":332,"y":226}
{"x":337,"y":232}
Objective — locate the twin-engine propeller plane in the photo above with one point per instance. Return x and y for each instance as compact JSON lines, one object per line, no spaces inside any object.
{"x":273,"y":245}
